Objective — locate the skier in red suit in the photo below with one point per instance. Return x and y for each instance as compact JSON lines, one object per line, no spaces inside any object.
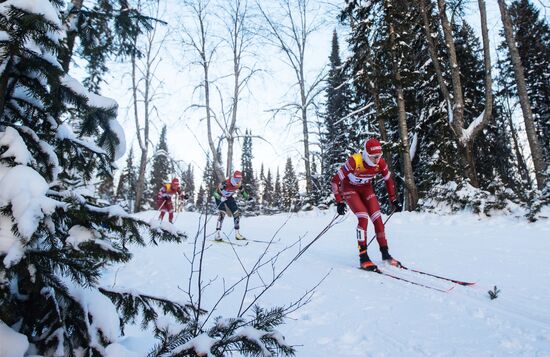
{"x":226,"y":204}
{"x":164,"y":198}
{"x":353,"y":183}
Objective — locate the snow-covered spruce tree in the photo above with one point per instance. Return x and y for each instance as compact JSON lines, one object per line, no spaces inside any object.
{"x":290,"y":188}
{"x":188,"y":179}
{"x":55,"y":238}
{"x":268,"y":193}
{"x":335,"y":136}
{"x":277,"y":192}
{"x":249,"y":182}
{"x":160,"y":170}
{"x":105,"y":188}
{"x":126,"y":188}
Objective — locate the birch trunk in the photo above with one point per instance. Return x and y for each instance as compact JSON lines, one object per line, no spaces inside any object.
{"x":534,"y":145}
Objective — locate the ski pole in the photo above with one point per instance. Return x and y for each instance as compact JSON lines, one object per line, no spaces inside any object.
{"x":387,"y":219}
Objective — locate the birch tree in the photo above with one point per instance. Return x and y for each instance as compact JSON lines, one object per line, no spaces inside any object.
{"x":534,"y":145}
{"x":465,"y":136}
{"x":145,"y":90}
{"x":291,"y":35}
{"x":199,"y":39}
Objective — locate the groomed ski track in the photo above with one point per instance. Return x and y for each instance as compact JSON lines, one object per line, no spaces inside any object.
{"x":358,"y":313}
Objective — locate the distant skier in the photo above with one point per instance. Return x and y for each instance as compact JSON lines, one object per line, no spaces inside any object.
{"x":227,"y":204}
{"x":164,"y":198}
{"x":353,"y":181}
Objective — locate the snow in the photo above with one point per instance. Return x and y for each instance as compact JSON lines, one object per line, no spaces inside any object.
{"x":467,"y":133}
{"x":40,"y":7}
{"x":78,"y":235}
{"x":105,"y":316}
{"x":16,"y":146}
{"x":356,"y":313}
{"x":12,"y":344}
{"x":352,"y":312}
{"x":27,"y":197}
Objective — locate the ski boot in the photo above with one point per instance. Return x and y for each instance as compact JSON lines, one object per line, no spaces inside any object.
{"x":218,"y":236}
{"x":365,"y":262}
{"x":238,"y":236}
{"x":388,"y":258}
{"x":368,"y":266}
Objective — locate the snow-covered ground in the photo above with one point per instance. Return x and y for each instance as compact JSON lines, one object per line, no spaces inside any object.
{"x":357,"y":313}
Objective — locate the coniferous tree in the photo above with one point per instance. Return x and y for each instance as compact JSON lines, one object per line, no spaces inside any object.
{"x":290,"y":188}
{"x":532,"y":36}
{"x":160,"y":170}
{"x":106,"y":189}
{"x":249,"y":182}
{"x":267,"y":196}
{"x":57,"y":135}
{"x":278,"y":191}
{"x":201,"y":198}
{"x":189,"y":183}
{"x":126,"y":187}
{"x":336,"y":130}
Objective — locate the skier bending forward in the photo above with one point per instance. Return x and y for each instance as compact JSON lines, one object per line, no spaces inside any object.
{"x":353,"y":182}
{"x":226,"y":203}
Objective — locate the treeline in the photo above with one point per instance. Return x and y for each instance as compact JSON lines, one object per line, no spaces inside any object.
{"x":454,"y":129}
{"x":450,"y":125}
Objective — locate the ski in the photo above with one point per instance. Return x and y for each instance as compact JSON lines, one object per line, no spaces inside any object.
{"x":410,"y":281}
{"x":459,"y":282}
{"x":243,"y":244}
{"x":257,"y":241}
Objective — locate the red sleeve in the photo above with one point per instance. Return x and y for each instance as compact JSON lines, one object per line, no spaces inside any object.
{"x":390,"y":186}
{"x":340,"y":176}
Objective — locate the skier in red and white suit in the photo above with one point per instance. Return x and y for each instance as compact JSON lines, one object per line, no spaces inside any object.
{"x":164,"y":198}
{"x":353,"y":183}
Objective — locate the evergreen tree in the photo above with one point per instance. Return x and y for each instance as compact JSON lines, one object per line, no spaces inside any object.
{"x":161,"y":168}
{"x":278,"y":191}
{"x":290,"y":187}
{"x":201,"y":198}
{"x":336,"y":130}
{"x":58,"y":136}
{"x":267,"y":196}
{"x":210,"y":182}
{"x":249,"y":183}
{"x":106,"y":189}
{"x":126,"y":189}
{"x":189,"y":183}
{"x":532,"y":35}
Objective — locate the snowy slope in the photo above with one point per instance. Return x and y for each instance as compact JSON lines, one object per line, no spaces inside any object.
{"x":357,"y":313}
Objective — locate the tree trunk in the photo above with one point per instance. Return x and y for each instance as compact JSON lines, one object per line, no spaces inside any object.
{"x":411,"y":192}
{"x":534,"y":145}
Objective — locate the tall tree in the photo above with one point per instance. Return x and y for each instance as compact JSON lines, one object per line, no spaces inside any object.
{"x":277,"y":191}
{"x":160,"y":169}
{"x":291,"y":34}
{"x":189,"y":183}
{"x":126,"y":188}
{"x":249,"y":183}
{"x":268,"y":193}
{"x":465,"y":136}
{"x":289,"y":187}
{"x":338,"y":105}
{"x":540,"y":86}
{"x":145,"y":90}
{"x":199,"y":40}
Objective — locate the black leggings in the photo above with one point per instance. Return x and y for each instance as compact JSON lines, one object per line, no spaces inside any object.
{"x":229,"y":205}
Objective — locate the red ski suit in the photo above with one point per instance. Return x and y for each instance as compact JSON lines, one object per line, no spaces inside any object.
{"x":353,"y":182}
{"x":164,"y":200}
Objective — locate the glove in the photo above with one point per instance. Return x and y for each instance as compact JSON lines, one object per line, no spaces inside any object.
{"x":397,"y":206}
{"x":185,"y":196}
{"x":341,"y":208}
